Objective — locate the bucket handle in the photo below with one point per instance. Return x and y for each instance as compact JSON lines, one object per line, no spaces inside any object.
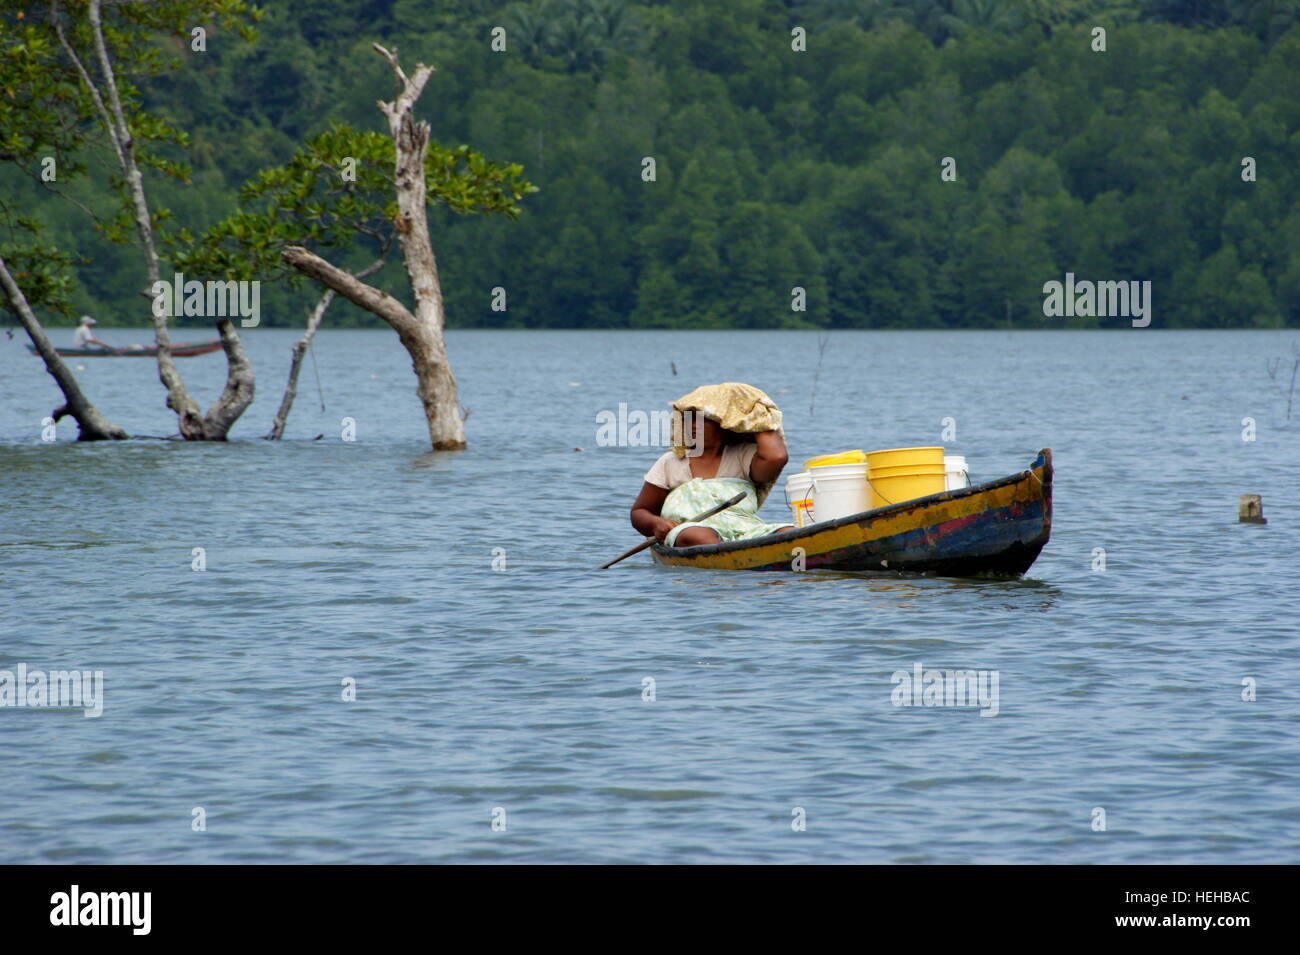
{"x":888,"y":501}
{"x":812,"y":486}
{"x":875,"y":489}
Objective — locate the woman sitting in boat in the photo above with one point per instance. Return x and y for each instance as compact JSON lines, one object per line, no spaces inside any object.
{"x":721,"y":462}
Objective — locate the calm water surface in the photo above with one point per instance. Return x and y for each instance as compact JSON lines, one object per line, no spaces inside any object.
{"x":522,"y":689}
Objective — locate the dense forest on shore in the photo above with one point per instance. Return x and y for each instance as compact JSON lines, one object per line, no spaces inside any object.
{"x":774,"y":168}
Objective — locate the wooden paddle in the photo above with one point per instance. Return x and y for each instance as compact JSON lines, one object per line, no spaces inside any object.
{"x":709,"y":513}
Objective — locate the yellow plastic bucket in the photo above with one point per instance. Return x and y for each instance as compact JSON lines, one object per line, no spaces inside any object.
{"x":901,"y":474}
{"x":844,"y":457}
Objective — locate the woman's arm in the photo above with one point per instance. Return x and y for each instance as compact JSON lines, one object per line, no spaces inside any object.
{"x":645,"y":512}
{"x":770,"y":457}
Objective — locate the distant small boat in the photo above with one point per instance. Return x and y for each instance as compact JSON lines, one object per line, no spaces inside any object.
{"x":995,"y":528}
{"x":179,"y":350}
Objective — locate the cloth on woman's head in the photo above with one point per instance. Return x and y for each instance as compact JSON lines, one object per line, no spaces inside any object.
{"x":736,"y":407}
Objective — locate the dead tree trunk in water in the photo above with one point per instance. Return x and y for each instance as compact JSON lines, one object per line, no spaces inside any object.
{"x":92,"y":426}
{"x":238,"y":393}
{"x":420,"y":331}
{"x":300,"y":349}
{"x":446,"y":430}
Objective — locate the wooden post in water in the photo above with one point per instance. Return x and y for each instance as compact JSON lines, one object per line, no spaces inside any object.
{"x":1250,"y":510}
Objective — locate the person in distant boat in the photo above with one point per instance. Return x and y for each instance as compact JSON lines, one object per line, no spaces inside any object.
{"x":86,"y":334}
{"x":721,"y":464}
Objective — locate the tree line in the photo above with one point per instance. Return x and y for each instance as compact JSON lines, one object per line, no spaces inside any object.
{"x":1168,"y":157}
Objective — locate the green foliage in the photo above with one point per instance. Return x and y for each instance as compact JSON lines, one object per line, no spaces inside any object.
{"x":43,"y":272}
{"x":339,"y":188}
{"x":774,"y":168}
{"x":573,"y":35}
{"x":51,"y":126}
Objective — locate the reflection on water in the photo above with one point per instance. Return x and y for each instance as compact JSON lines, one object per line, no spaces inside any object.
{"x":870,"y":589}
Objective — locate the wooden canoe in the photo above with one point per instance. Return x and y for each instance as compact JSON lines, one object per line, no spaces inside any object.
{"x":996,"y":529}
{"x":179,"y":350}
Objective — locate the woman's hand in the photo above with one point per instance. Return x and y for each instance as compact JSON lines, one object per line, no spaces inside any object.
{"x":662,"y":527}
{"x":645,"y":512}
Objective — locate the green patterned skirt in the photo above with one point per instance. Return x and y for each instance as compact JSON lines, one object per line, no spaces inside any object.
{"x":738,"y":522}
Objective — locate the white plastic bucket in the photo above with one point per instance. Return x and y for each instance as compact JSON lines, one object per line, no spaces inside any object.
{"x":798,"y":495}
{"x":839,"y":490}
{"x":955,"y":475}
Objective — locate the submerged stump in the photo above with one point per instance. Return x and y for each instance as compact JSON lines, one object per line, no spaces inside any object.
{"x":1250,"y":509}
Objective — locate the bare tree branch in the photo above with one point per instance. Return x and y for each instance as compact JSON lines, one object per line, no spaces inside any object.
{"x":373,"y":300}
{"x":300,"y":349}
{"x":178,"y":399}
{"x":92,"y":425}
